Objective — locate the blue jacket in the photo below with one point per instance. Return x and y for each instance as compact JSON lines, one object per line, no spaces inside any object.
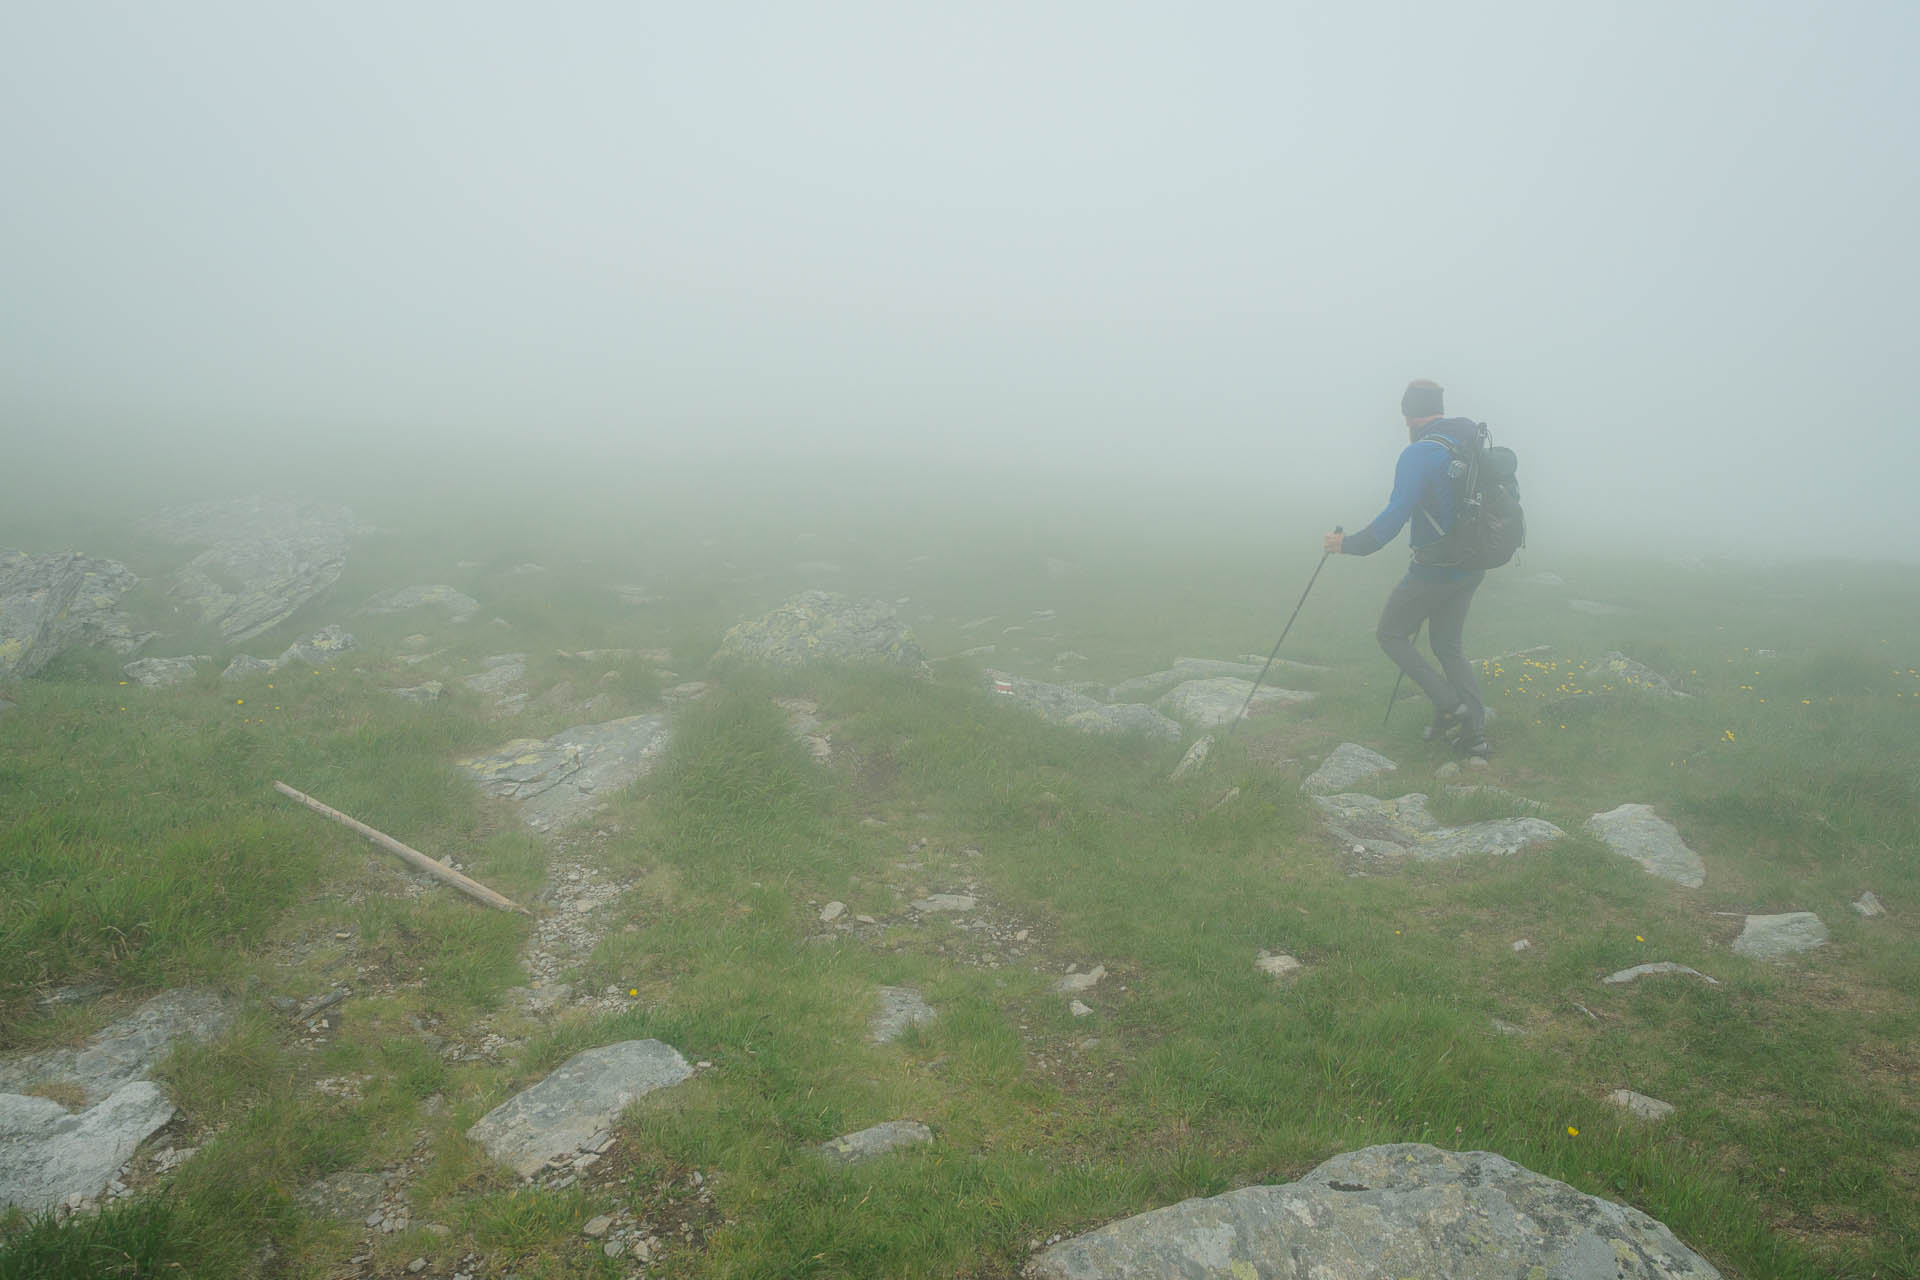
{"x":1422,"y":493}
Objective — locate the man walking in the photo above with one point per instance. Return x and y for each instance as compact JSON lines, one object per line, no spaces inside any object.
{"x":1434,"y":594}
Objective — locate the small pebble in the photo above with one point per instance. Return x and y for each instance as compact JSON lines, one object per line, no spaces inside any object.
{"x":1521,"y":945}
{"x":597,"y":1227}
{"x":417,"y":1266}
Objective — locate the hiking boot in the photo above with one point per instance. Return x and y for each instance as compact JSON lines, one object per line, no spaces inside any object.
{"x":1447,"y":725}
{"x":1474,"y":746}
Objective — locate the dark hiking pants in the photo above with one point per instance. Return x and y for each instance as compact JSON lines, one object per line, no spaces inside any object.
{"x":1443,"y":607}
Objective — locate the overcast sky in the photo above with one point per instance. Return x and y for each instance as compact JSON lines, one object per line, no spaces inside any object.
{"x":1667,"y":250}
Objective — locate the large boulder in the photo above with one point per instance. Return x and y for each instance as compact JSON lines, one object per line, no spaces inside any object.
{"x":583,"y":1096}
{"x":1405,"y":828}
{"x":161,"y":673}
{"x":1636,"y":831}
{"x":263,"y":559}
{"x":1771,"y":937}
{"x":1391,"y":1211}
{"x":1347,"y":766}
{"x":820,"y":626}
{"x":557,"y":781}
{"x":49,"y":604}
{"x":48,"y":1154}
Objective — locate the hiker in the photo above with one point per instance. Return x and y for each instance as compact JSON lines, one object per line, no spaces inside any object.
{"x":1438,"y":595}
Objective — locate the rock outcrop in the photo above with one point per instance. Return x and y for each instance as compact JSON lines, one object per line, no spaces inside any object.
{"x":583,"y":1096}
{"x":820,"y":626}
{"x":49,"y":604}
{"x":1347,"y":766}
{"x":1389,"y":1211}
{"x":263,"y":559}
{"x":1636,"y":831}
{"x":1061,"y":705}
{"x":559,"y":780}
{"x":1405,"y":828}
{"x":1216,"y":701}
{"x":458,"y":605}
{"x":1771,"y":937}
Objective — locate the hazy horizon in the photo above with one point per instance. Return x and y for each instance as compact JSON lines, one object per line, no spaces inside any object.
{"x":1665,"y":254}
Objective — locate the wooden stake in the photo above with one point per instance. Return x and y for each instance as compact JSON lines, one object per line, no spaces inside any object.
{"x":420,"y":861}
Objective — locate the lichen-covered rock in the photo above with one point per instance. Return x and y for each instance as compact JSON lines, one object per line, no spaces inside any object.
{"x":559,"y":780}
{"x":264,"y":558}
{"x":820,"y":626}
{"x":900,"y":1008}
{"x":1061,"y":705}
{"x":323,"y":646}
{"x":1636,"y":831}
{"x":1405,"y":827}
{"x":49,"y":604}
{"x":1214,"y":701}
{"x":458,"y":604}
{"x":127,"y":1048}
{"x":582,"y":1096}
{"x":246,"y":665}
{"x":161,"y":673}
{"x":504,"y":680}
{"x":1348,"y":765}
{"x":1380,"y":1214}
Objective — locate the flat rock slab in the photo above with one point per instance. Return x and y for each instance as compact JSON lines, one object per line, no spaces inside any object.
{"x":127,"y":1048}
{"x":161,"y":673}
{"x":1184,"y":669}
{"x":1386,"y":1212}
{"x":938,"y":902}
{"x":264,"y":558}
{"x":245,"y":666}
{"x":1061,"y":705}
{"x":1639,"y":971}
{"x":569,"y":1108}
{"x":900,"y":1008}
{"x":852,"y":1148}
{"x":559,"y":780}
{"x":323,"y":646}
{"x":49,"y":604}
{"x":48,"y":1154}
{"x":1639,"y":1105}
{"x":820,"y":626}
{"x":1770,"y":937}
{"x":1636,"y":831}
{"x":503,"y":680}
{"x":1349,"y":765}
{"x":1406,"y":828}
{"x":458,"y":605}
{"x":1215,"y":701}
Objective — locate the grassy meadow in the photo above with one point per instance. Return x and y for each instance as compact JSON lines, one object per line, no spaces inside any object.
{"x":141,"y":847}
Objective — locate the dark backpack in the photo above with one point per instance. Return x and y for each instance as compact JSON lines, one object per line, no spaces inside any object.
{"x":1488,"y":525}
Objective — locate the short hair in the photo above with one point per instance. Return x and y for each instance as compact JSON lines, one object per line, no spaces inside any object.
{"x":1423,"y":398}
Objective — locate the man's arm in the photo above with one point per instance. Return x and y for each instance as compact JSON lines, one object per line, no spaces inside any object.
{"x":1410,"y":476}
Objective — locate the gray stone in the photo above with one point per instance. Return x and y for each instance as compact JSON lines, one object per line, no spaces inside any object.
{"x":582,"y":1096}
{"x":1407,"y":828}
{"x":852,"y":1148}
{"x":1386,"y":1212}
{"x":1076,"y":983}
{"x":48,"y":1155}
{"x":161,"y":673}
{"x":264,"y":558}
{"x":503,"y":680}
{"x":1195,"y":758}
{"x":1596,"y":609}
{"x":1349,"y":765}
{"x":900,"y":1008}
{"x":1077,"y":1009}
{"x":127,"y":1048}
{"x":559,"y":780}
{"x":1185,"y":669}
{"x":1868,"y":905}
{"x":1061,"y":705}
{"x":820,"y":626}
{"x":1639,"y":1105}
{"x":459,"y":606}
{"x":1215,"y":701}
{"x":244,"y":666}
{"x":938,"y":902}
{"x":1617,"y":673}
{"x":49,"y":604}
{"x":1639,"y":971}
{"x":597,"y":1226}
{"x":832,"y":911}
{"x":1636,"y":831}
{"x":431,"y":691}
{"x":1770,"y":937}
{"x":346,"y":1194}
{"x":323,"y":646}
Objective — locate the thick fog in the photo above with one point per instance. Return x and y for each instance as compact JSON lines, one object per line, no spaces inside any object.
{"x":1666,"y":251}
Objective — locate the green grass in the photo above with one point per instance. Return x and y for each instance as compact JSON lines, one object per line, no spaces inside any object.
{"x":144,"y":848}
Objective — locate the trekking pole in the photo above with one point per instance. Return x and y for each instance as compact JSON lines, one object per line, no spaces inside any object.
{"x":1277,"y":643}
{"x":1392,"y":697}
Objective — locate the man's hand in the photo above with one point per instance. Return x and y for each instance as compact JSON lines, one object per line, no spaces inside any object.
{"x":1332,"y":542}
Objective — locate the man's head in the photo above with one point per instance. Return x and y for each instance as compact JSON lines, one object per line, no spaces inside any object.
{"x":1421,"y":403}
